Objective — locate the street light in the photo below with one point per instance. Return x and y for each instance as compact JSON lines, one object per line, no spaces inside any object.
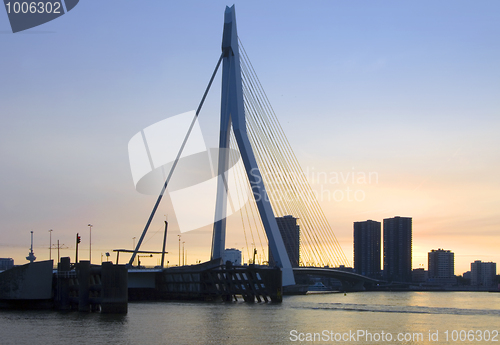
{"x":90,"y":243}
{"x":50,"y":244}
{"x":179,"y":249}
{"x":133,"y":244}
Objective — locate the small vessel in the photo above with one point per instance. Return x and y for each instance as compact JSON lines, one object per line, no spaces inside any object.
{"x":318,"y":286}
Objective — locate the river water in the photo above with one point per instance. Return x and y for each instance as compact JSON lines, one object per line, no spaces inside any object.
{"x":355,"y":318}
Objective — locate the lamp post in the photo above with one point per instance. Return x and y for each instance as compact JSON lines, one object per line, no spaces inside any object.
{"x":90,"y":243}
{"x":179,"y":249}
{"x":183,"y":258}
{"x":133,"y":245}
{"x":50,"y":244}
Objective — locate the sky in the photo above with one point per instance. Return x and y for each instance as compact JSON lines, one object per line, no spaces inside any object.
{"x":407,"y":91}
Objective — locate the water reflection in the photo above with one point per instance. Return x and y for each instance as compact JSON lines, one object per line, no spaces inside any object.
{"x":241,"y":323}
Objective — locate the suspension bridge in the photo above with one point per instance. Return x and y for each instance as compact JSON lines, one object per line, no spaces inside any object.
{"x":257,"y":160}
{"x":266,"y":171}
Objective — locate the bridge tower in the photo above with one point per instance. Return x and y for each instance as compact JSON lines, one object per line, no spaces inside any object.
{"x":233,"y":113}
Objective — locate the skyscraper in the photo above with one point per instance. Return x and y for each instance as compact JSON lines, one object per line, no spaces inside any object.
{"x":397,"y":249}
{"x":483,"y":273}
{"x":441,"y":266}
{"x":367,"y":237}
{"x":290,"y":231}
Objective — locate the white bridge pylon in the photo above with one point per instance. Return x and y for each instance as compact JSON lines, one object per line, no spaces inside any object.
{"x":233,"y":114}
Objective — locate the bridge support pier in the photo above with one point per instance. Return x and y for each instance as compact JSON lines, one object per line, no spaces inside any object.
{"x":62,"y":284}
{"x":114,"y":293}
{"x":83,"y":273}
{"x":92,"y":288}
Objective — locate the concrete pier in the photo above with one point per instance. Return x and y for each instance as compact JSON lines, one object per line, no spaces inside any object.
{"x":89,"y":288}
{"x":62,"y":290}
{"x":114,"y":293}
{"x":212,"y":281}
{"x":83,"y":274}
{"x":107,"y":288}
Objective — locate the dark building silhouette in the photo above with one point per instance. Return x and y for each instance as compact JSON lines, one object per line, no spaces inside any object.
{"x":290,"y":231}
{"x":397,"y":249}
{"x":367,"y":240}
{"x":441,"y":263}
{"x":483,"y":273}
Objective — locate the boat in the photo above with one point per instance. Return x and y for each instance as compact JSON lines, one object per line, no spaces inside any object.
{"x":318,"y":286}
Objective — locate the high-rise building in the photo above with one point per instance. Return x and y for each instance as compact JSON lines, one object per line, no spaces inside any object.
{"x":483,"y":273}
{"x":441,"y":266}
{"x":397,"y":249}
{"x":367,"y":236}
{"x":290,"y":232}
{"x":233,"y":255}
